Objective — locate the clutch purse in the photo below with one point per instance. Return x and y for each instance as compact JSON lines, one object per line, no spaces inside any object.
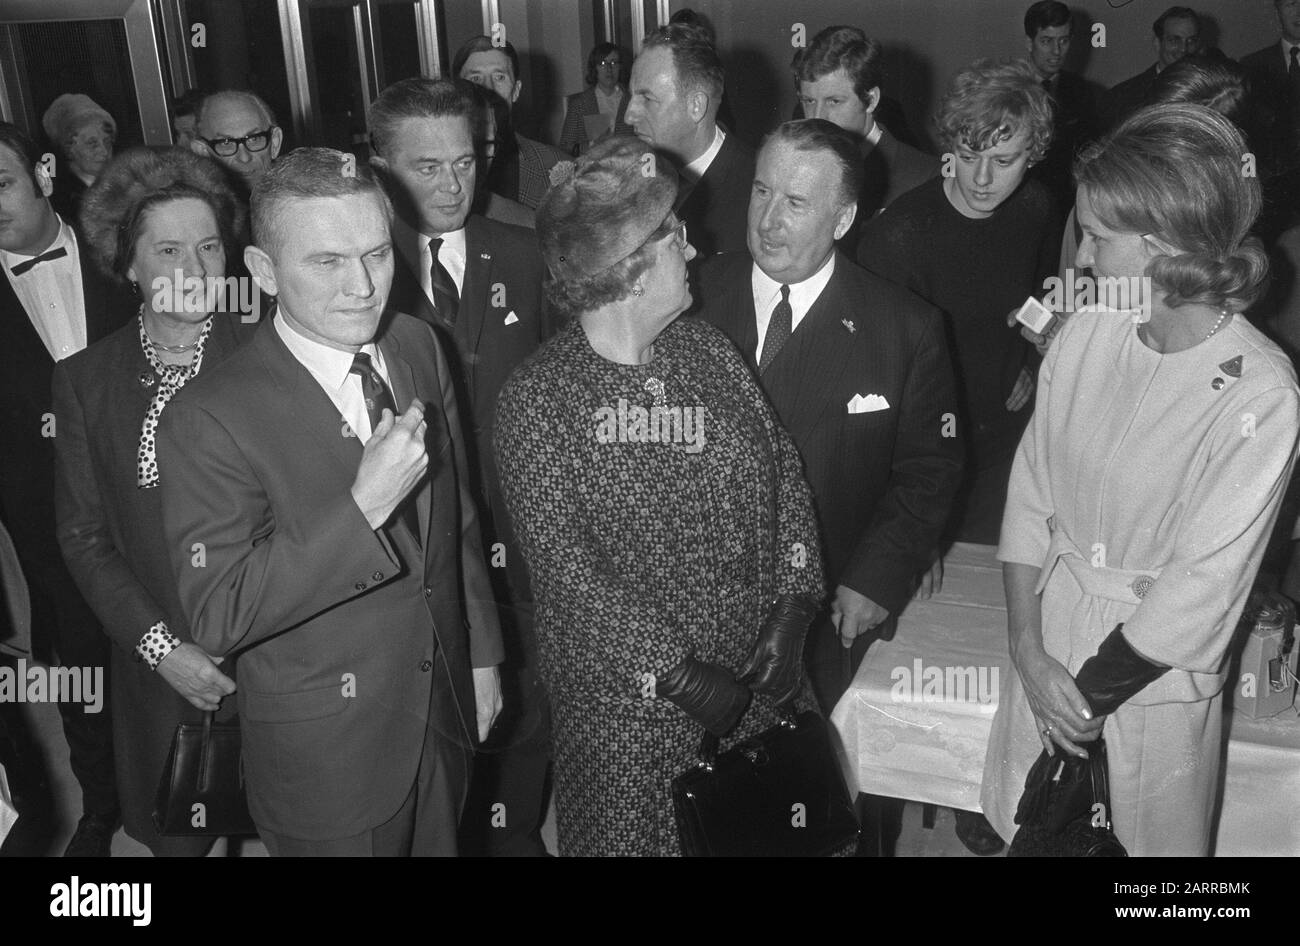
{"x":1065,"y":809}
{"x":777,"y":794}
{"x":201,"y":791}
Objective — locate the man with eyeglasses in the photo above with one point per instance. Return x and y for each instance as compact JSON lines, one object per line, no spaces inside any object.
{"x":1177,"y":34}
{"x":239,"y":130}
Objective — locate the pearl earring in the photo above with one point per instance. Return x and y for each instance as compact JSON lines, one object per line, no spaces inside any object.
{"x":638,"y":291}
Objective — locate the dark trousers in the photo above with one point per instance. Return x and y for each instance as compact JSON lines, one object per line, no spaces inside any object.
{"x":65,"y":632}
{"x":507,"y":799}
{"x":425,"y":824}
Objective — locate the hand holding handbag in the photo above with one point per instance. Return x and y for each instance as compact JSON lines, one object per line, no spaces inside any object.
{"x":202,"y":787}
{"x":778,"y":794}
{"x":1065,"y":809}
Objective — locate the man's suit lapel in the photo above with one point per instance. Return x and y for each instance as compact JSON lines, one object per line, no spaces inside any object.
{"x":98,"y":298}
{"x":313,"y":406}
{"x":401,"y":378}
{"x":829,"y":347}
{"x":407,"y":296}
{"x":476,"y":289}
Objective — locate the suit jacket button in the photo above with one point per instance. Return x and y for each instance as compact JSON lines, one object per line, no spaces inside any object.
{"x":428,"y":592}
{"x":426,"y":666}
{"x":377,"y":576}
{"x":360,"y":586}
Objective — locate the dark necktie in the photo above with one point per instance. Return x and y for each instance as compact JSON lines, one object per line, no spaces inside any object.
{"x":377,"y":398}
{"x":63,"y":251}
{"x":445,"y":297}
{"x":778,"y":330}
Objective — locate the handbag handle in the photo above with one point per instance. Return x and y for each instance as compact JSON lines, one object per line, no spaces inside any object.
{"x":707,"y":756}
{"x":1100,"y":773}
{"x":205,"y":752}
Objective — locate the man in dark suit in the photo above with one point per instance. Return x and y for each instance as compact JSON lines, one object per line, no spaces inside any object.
{"x":1274,"y":73}
{"x":478,"y":282}
{"x":860,"y":375}
{"x":1177,"y":33}
{"x":333,"y":545}
{"x":676,"y":88}
{"x":522,"y":167}
{"x":53,"y":303}
{"x":1074,"y":109}
{"x":839,"y":77}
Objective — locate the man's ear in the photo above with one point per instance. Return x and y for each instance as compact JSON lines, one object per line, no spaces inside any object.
{"x":200,"y":147}
{"x":380,"y":166}
{"x":519,"y":87}
{"x":262,"y":269}
{"x":873,"y":100}
{"x":277,"y":140}
{"x":44,"y":183}
{"x":845,"y":220}
{"x":697,"y":105}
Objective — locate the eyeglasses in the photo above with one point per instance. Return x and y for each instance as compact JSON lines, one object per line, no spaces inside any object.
{"x":610,"y":62}
{"x":227,"y":147}
{"x":676,"y":230}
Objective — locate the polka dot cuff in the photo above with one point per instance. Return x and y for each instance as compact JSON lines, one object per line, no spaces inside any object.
{"x":156,"y":644}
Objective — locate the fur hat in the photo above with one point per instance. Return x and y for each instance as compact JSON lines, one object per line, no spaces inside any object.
{"x":68,"y":113}
{"x":603,"y":207}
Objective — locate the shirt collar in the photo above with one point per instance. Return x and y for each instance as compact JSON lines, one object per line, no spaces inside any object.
{"x":66,"y":239}
{"x":328,"y":365}
{"x":874,"y":136}
{"x":697,"y":168}
{"x":802,"y":294}
{"x":1287,"y":46}
{"x":453,"y":242}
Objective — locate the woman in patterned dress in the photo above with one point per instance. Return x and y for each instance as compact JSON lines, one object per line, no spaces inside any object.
{"x":1145,"y":489}
{"x":151,"y":215}
{"x":661,"y":509}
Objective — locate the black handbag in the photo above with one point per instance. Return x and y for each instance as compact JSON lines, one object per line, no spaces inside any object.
{"x":1065,"y":809}
{"x":202,"y":787}
{"x":778,"y":794}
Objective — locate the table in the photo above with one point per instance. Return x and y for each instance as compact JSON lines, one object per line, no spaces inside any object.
{"x":915,"y":723}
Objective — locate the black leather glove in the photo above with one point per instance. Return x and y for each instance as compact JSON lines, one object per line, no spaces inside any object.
{"x":706,"y":692}
{"x":775,"y":668}
{"x":1115,"y":674}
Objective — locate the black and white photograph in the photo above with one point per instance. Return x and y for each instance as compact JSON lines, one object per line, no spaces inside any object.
{"x":650,"y":429}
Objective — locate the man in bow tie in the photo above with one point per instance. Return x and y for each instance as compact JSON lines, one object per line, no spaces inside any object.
{"x":53,"y":303}
{"x":320,"y":513}
{"x":859,"y":373}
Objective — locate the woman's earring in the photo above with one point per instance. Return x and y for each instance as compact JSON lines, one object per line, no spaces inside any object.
{"x":637,"y":290}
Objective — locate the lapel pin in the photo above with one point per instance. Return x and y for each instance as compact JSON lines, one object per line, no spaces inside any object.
{"x":848,"y":324}
{"x":485,"y":256}
{"x":146,"y":379}
{"x":1232,"y":367}
{"x":1217,"y":384}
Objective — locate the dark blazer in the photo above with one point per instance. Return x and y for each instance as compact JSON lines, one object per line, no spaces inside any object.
{"x":111,"y":533}
{"x":716,"y":207}
{"x":503,"y":278}
{"x":340,"y":629}
{"x":1127,"y":96}
{"x":1276,"y":107}
{"x":573,"y":138}
{"x":535,"y":162}
{"x":26,"y":453}
{"x":882,"y":481}
{"x":890,"y":169}
{"x":66,"y":197}
{"x":1075,"y":121}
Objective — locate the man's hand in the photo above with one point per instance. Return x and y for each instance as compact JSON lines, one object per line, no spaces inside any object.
{"x":487,"y":698}
{"x":1041,"y":341}
{"x":194,"y":675}
{"x":1020,"y":393}
{"x":931,"y":581}
{"x":394,"y":459}
{"x":854,"y":614}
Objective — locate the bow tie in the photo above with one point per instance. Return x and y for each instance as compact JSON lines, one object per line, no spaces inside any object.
{"x":43,"y":258}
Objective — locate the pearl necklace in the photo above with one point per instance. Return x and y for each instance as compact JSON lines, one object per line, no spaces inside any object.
{"x":159,"y":346}
{"x":1223,"y":314}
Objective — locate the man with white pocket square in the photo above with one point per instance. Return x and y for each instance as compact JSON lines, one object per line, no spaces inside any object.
{"x":858,"y":371}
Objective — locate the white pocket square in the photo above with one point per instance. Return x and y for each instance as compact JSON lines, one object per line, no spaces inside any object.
{"x":511,"y":319}
{"x":861,"y":404}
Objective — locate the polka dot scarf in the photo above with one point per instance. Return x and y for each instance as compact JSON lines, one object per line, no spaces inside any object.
{"x":173,"y":378}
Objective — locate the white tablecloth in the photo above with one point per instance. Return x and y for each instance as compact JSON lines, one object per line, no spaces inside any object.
{"x":915,"y":723}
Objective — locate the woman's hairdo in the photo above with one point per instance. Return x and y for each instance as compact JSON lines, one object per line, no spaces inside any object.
{"x":601,"y":51}
{"x":989,"y":102}
{"x":140,"y":179}
{"x":1176,"y":172}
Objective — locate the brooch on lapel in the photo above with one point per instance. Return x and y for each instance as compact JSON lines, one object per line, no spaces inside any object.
{"x":147,"y":379}
{"x":485,"y":256}
{"x":1232,"y":367}
{"x":848,"y":324}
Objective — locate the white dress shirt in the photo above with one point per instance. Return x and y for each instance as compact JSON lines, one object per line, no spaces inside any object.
{"x":767,"y":293}
{"x":700,"y":166}
{"x":873,"y":137}
{"x":332,"y":370}
{"x":52,"y":294}
{"x":1286,"y":54}
{"x":414,"y":247}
